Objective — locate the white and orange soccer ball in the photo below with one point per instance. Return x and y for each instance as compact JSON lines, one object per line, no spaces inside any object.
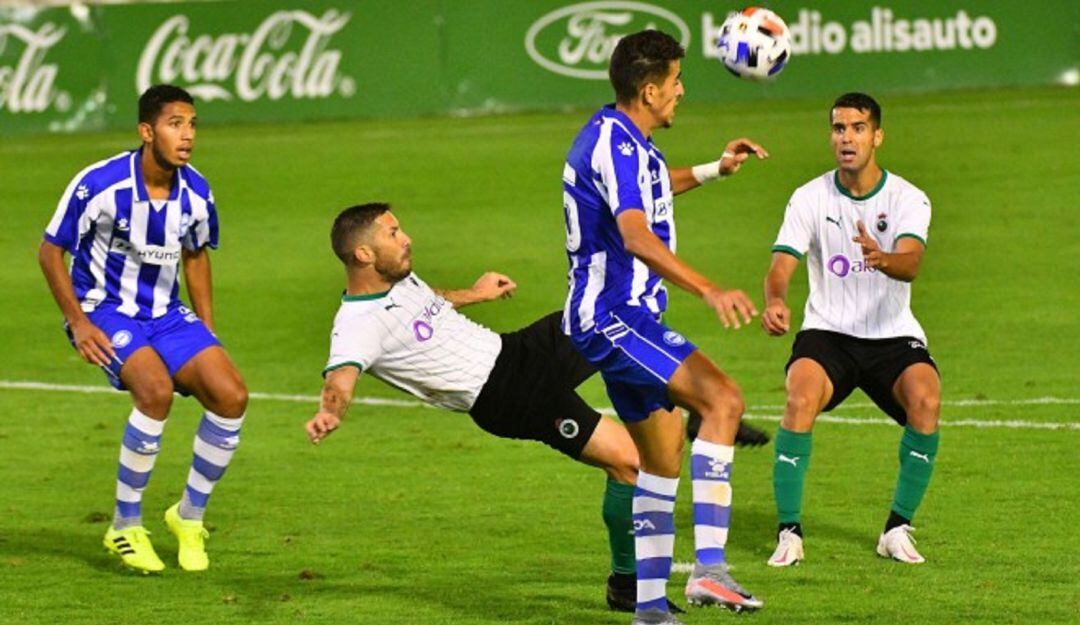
{"x":754,"y":43}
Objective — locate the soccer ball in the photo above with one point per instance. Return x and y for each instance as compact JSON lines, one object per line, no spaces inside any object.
{"x":754,"y":43}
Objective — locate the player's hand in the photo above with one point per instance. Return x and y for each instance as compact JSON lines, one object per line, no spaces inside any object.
{"x":730,"y":306}
{"x":736,"y":152}
{"x":871,"y":251}
{"x":93,"y":345}
{"x":776,"y":319}
{"x":321,"y":425}
{"x":492,"y":286}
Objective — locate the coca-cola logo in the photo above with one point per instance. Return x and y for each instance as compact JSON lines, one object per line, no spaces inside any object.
{"x":578,"y":40}
{"x":28,"y":85}
{"x":288,"y":54}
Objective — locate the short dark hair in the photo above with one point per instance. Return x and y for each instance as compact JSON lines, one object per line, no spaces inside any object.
{"x":350,"y":224}
{"x":860,"y":101}
{"x":641,"y":58}
{"x":155,"y":98}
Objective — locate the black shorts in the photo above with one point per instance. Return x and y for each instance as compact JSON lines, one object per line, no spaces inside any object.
{"x":530,"y":392}
{"x":870,"y":364}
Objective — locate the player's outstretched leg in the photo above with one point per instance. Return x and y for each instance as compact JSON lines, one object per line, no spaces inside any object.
{"x":918,"y":391}
{"x":147,"y":379}
{"x":700,"y":386}
{"x":214,"y":381}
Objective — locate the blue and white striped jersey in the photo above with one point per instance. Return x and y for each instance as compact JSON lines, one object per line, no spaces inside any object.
{"x":126,"y":248}
{"x":611,"y":168}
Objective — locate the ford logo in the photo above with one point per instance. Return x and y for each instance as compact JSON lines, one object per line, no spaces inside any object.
{"x":582,"y":37}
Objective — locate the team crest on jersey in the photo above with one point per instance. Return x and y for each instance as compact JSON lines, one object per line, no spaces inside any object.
{"x":568,"y":428}
{"x":121,"y":339}
{"x":189,"y":315}
{"x":674,"y":339}
{"x":882,"y":224}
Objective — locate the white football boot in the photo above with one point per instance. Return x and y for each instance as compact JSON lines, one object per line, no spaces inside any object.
{"x":789,"y":549}
{"x":898,"y":544}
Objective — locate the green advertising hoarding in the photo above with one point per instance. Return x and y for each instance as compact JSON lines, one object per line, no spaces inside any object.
{"x":50,"y":69}
{"x":291,"y":60}
{"x":549,"y":53}
{"x":279,"y":59}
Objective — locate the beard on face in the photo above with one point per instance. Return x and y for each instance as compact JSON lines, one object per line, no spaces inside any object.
{"x":391,"y":272}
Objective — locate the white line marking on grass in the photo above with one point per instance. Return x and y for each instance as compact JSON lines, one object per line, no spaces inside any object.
{"x":1020,"y":424}
{"x":960,"y":403}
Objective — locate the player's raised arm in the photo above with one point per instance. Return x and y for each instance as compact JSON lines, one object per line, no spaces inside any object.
{"x":488,"y":287}
{"x":93,"y":345}
{"x":736,"y":152}
{"x":336,"y":395}
{"x":777,"y":317}
{"x":640,"y":241}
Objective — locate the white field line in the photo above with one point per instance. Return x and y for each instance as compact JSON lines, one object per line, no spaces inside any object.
{"x":752,"y":411}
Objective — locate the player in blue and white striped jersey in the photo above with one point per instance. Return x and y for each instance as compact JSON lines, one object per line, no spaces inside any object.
{"x":131,"y":223}
{"x":620,"y":239}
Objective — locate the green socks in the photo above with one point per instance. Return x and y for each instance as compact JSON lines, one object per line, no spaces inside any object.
{"x":917,"y":453}
{"x":619,"y":519}
{"x":789,"y":472}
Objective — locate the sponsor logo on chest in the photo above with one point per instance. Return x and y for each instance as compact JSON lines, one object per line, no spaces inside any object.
{"x":164,"y":255}
{"x":841,"y":266}
{"x":423,"y":326}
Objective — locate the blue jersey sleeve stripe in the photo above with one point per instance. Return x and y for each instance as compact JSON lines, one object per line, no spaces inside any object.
{"x":626,"y":164}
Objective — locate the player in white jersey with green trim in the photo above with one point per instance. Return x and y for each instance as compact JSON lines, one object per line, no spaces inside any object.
{"x":862,"y":231}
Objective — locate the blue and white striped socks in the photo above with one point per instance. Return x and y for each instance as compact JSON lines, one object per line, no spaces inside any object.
{"x":654,"y":538}
{"x":710,"y":470}
{"x":138,"y":452}
{"x":215,"y":443}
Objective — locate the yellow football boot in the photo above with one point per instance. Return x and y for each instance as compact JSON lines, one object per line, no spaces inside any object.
{"x":133,"y":546}
{"x":192,"y":537}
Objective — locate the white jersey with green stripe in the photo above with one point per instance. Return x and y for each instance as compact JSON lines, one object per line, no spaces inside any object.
{"x":846,"y":296}
{"x":412,"y":338}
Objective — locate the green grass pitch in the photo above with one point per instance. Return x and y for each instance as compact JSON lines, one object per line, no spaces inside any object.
{"x":413,"y":516}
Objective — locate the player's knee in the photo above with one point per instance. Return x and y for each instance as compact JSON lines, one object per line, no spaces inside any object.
{"x":800,"y":407}
{"x":929,"y":404}
{"x":232,"y":402}
{"x":624,"y":468}
{"x":154,"y":396}
{"x":924,"y":412}
{"x":728,"y":405}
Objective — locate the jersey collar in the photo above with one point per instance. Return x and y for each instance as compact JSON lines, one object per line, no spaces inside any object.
{"x":363,"y":298}
{"x":140,"y":184}
{"x":609,"y":110}
{"x":860,"y":198}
